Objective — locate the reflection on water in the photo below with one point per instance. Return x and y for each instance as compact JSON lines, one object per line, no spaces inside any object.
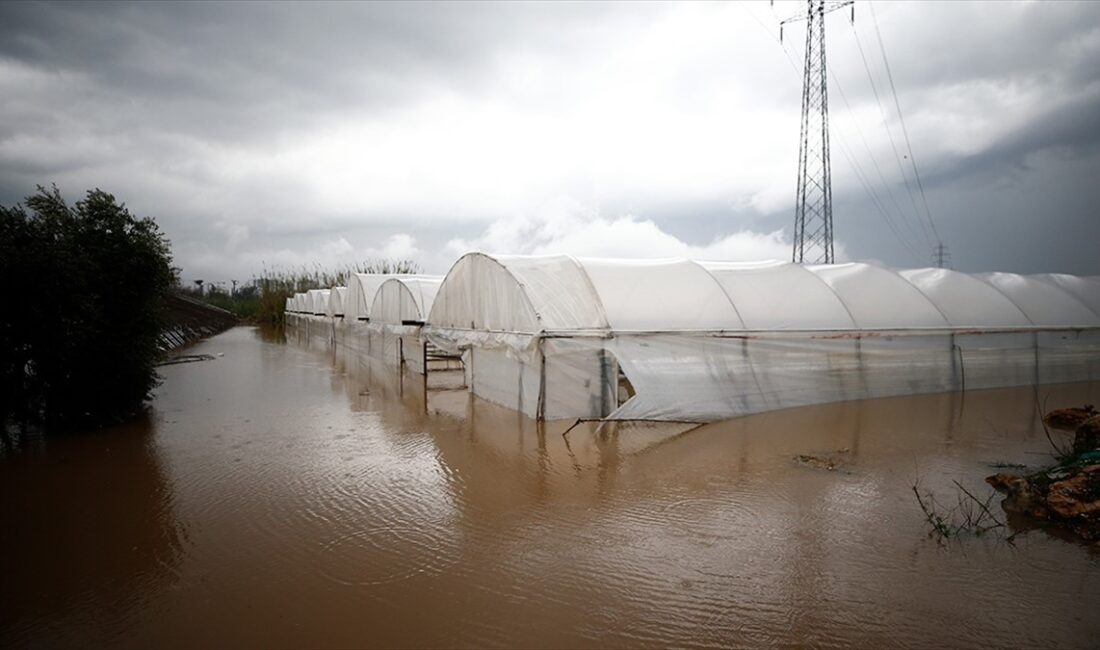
{"x":88,"y":535}
{"x":284,"y":495}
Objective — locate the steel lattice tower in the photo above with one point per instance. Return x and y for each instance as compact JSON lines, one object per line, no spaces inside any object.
{"x":813,"y":213}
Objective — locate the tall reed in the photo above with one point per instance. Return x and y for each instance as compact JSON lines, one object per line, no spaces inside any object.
{"x":274,"y":286}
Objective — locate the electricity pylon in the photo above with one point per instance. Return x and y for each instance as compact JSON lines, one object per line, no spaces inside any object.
{"x":813,"y":211}
{"x":940,"y":257}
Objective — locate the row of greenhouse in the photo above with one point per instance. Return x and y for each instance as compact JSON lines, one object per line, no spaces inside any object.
{"x":679,"y":340}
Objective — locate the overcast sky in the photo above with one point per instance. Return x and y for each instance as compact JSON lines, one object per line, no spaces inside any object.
{"x":287,"y":135}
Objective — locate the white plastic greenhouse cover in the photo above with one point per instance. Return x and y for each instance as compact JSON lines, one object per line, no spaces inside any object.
{"x":360,"y":294}
{"x":405,"y":299}
{"x":877,"y":298}
{"x":531,"y":294}
{"x":1046,"y":304}
{"x":335,"y":305}
{"x":779,"y":296}
{"x":517,"y":294}
{"x":318,"y":301}
{"x":1084,"y":289}
{"x":710,"y":340}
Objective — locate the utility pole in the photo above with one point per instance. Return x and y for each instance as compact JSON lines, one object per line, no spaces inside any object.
{"x":813,"y":211}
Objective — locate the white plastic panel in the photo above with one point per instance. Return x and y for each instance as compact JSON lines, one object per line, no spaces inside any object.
{"x":660,"y":295}
{"x":559,"y":291}
{"x":1045,"y":304}
{"x":877,"y":298}
{"x":405,"y":298}
{"x":317,"y":301}
{"x":777,"y":295}
{"x":479,"y":293}
{"x":504,"y":379}
{"x":1085,"y":289}
{"x":360,"y":294}
{"x":966,"y":301}
{"x":336,"y":301}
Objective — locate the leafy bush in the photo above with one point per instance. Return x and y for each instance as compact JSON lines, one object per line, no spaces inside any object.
{"x":78,"y":341}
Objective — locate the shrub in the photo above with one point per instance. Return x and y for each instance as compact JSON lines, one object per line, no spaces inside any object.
{"x":78,"y":344}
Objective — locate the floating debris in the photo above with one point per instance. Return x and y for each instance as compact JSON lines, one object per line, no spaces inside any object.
{"x":832,"y":461}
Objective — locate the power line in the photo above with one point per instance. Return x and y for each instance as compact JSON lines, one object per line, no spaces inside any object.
{"x":890,"y":135}
{"x":901,"y":118}
{"x":868,"y":186}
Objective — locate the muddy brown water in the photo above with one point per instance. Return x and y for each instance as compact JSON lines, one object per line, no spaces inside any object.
{"x":276,"y":497}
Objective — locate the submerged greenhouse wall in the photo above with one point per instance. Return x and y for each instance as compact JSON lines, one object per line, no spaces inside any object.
{"x":558,"y":336}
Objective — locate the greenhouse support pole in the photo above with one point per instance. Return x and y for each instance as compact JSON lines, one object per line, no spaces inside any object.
{"x":540,"y":408}
{"x":424,"y":360}
{"x":1035,"y":348}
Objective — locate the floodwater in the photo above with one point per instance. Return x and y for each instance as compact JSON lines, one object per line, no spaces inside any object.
{"x":274,"y":498}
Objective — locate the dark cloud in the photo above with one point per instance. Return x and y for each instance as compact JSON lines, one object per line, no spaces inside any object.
{"x":280,"y":130}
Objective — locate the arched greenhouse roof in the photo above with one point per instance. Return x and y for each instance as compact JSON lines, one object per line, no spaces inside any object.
{"x":317,"y":300}
{"x":671,"y":294}
{"x":878,"y":298}
{"x":1084,"y":289}
{"x":360,"y":294}
{"x":966,"y":301}
{"x":1046,"y":304}
{"x":335,"y":305}
{"x":512,"y":293}
{"x":779,"y":296}
{"x":405,"y":299}
{"x":560,"y":293}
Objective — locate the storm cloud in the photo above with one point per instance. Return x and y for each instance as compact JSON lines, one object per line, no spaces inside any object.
{"x":285,"y":134}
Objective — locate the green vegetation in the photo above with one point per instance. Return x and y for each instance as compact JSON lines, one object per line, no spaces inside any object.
{"x":263,"y":299}
{"x":78,"y":339}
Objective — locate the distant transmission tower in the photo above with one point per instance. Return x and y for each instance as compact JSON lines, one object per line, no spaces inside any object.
{"x":813,"y":211}
{"x":941,"y":257}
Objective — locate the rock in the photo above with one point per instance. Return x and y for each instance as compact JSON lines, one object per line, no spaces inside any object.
{"x":1020,"y":496}
{"x":1077,"y":495}
{"x":1088,"y":435}
{"x":1069,"y":419}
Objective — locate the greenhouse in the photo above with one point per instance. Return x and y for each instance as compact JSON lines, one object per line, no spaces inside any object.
{"x":318,"y":301}
{"x":678,"y":340}
{"x":335,"y":305}
{"x":400,"y":307}
{"x":360,"y":294}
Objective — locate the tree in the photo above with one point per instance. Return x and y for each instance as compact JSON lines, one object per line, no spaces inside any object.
{"x":79,"y":346}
